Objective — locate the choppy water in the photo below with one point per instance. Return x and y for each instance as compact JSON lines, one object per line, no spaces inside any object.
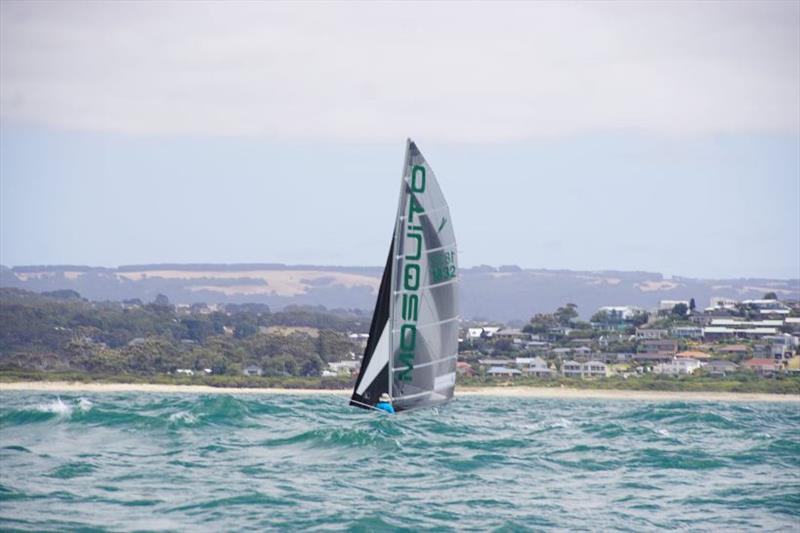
{"x":185,"y":462}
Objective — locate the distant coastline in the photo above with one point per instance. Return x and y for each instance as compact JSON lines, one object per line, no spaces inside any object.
{"x":516,"y":392}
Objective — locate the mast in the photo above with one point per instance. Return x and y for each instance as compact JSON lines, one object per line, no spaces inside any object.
{"x":395,"y":240}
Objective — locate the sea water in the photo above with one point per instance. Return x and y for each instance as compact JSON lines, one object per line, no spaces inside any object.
{"x":184,"y":462}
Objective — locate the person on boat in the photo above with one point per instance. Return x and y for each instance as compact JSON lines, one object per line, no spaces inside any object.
{"x":385,"y":403}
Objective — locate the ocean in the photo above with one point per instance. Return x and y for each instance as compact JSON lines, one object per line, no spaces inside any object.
{"x":189,"y":462}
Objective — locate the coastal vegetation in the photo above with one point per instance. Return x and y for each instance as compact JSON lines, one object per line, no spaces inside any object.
{"x":60,"y":336}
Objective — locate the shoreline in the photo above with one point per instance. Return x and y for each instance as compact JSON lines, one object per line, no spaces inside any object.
{"x":503,"y":392}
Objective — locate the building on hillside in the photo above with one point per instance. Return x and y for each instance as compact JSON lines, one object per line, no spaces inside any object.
{"x":495,"y":362}
{"x":687,"y":332}
{"x":595,"y":369}
{"x":589,"y":369}
{"x":782,"y":346}
{"x":534,"y":366}
{"x":718,"y":302}
{"x":669,"y":305}
{"x":346,"y":367}
{"x":678,"y":366}
{"x":464,"y":369}
{"x":502,"y":372}
{"x":489,"y":331}
{"x":669,"y":346}
{"x":693,"y":354}
{"x":616,"y":357}
{"x":792,"y":323}
{"x":793,"y":365}
{"x":253,"y":370}
{"x":512,"y":334}
{"x":571,"y":369}
{"x":764,"y":367}
{"x":718,"y":333}
{"x":740,"y":350}
{"x":474,"y":333}
{"x":768,"y":306}
{"x":651,"y":333}
{"x":721,"y":368}
{"x":653,"y":357}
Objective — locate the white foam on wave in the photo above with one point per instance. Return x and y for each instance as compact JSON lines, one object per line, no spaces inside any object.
{"x":183,"y":417}
{"x":84,"y":405}
{"x":57,"y":406}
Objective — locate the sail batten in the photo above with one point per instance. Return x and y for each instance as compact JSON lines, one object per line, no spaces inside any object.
{"x":417,"y":298}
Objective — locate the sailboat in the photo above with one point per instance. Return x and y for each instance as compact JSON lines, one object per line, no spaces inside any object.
{"x":412,"y":348}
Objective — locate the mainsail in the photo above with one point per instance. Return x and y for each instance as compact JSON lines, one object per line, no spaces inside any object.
{"x":413,"y":340}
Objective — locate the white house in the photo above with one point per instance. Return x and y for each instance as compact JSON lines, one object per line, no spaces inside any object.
{"x":571,"y":369}
{"x":533,"y":366}
{"x":679,"y":366}
{"x":344,"y":367}
{"x":502,"y":371}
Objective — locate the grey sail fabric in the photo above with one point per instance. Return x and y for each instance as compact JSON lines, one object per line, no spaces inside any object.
{"x":413,"y":344}
{"x":424,"y":310}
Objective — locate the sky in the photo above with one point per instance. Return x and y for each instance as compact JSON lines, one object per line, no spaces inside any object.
{"x":580,"y":135}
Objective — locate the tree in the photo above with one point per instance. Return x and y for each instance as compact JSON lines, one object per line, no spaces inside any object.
{"x":680,"y":310}
{"x":565,"y":315}
{"x":692,"y":305}
{"x":161,"y":301}
{"x":770,"y":296}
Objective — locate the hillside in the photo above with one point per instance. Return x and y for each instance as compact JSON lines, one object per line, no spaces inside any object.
{"x":506,"y":293}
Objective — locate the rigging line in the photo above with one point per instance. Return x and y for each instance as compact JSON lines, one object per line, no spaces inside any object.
{"x":368,"y":406}
{"x":442,"y":360}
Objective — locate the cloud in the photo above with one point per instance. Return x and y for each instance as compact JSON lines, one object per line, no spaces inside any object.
{"x":377,"y":71}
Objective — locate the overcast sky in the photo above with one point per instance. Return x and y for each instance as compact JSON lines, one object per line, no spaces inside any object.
{"x":633,"y":136}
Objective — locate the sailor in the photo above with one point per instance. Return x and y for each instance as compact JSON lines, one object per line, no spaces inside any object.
{"x":385,"y":403}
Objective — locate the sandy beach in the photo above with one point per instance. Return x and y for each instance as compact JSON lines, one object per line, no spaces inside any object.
{"x":517,"y":392}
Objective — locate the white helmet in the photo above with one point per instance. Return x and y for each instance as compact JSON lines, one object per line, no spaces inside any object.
{"x":385,"y":398}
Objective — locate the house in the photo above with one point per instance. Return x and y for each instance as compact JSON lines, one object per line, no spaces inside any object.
{"x":464,"y":369}
{"x":595,"y":369}
{"x":495,"y":362}
{"x":782,"y":346}
{"x":185,"y":371}
{"x":650,"y":333}
{"x":589,"y":369}
{"x":583,"y":351}
{"x":732,"y":349}
{"x":693,"y":354}
{"x":571,"y":369}
{"x":668,"y":305}
{"x":512,"y":334}
{"x":253,"y":370}
{"x":678,"y":366}
{"x":687,"y":332}
{"x":474,"y":333}
{"x":721,"y":368}
{"x":534,"y":366}
{"x":489,"y":331}
{"x":502,"y":371}
{"x":347,"y":366}
{"x":793,"y":365}
{"x":718,"y":302}
{"x":669,"y":346}
{"x":650,"y":357}
{"x":763,"y":367}
{"x":561,"y":352}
